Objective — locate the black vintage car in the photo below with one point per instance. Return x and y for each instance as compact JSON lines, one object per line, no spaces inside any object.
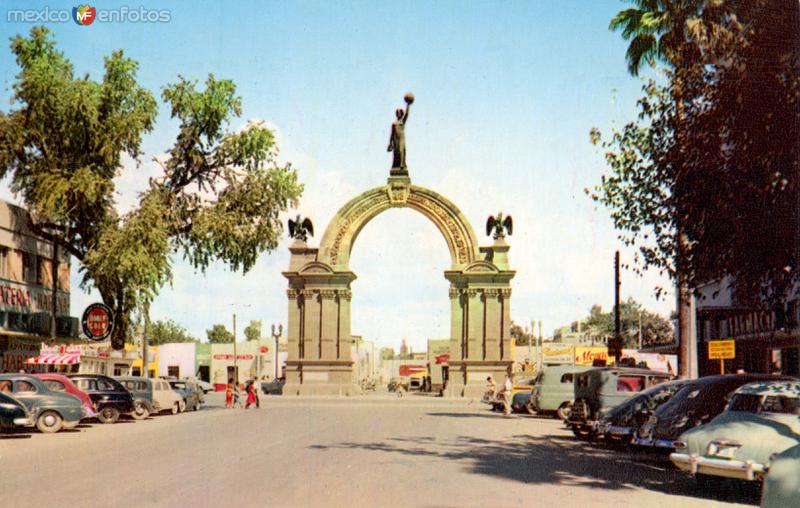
{"x":109,"y":397}
{"x":275,"y":387}
{"x":620,"y":424}
{"x":694,"y":405}
{"x":13,"y":413}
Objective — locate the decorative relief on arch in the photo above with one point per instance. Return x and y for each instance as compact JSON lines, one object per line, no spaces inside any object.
{"x":338,"y":239}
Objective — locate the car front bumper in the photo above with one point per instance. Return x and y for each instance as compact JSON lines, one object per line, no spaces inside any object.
{"x":727,"y":468}
{"x":616,"y":431}
{"x":24,"y":421}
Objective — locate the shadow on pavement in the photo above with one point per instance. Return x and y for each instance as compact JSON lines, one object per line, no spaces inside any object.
{"x":561,"y":460}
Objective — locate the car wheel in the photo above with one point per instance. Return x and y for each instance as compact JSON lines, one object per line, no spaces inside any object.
{"x":140,"y":411}
{"x":530,"y":408}
{"x":582,"y":433}
{"x":108,"y":415}
{"x":49,"y":422}
{"x":564,"y":411}
{"x":176,"y":408}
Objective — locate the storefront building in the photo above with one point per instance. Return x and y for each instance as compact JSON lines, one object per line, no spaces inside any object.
{"x":203,"y":361}
{"x":764,"y":341}
{"x":253,"y":359}
{"x":33,"y":289}
{"x":137,"y":366}
{"x":82,"y":359}
{"x":177,"y":360}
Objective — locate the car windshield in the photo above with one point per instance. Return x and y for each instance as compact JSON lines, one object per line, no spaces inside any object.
{"x":745,"y":402}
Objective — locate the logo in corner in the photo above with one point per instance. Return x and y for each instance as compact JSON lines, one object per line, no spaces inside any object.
{"x":83,"y":14}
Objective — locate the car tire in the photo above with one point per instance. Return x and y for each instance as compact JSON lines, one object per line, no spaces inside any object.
{"x":530,"y":408}
{"x":49,"y":422}
{"x":176,"y":408}
{"x":583,"y":434}
{"x":108,"y":415}
{"x":564,"y":411}
{"x":140,"y":411}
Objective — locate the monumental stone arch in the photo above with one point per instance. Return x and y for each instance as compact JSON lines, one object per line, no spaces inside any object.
{"x":319,"y":360}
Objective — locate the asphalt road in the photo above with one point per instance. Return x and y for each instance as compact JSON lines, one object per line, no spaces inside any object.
{"x":375,"y":451}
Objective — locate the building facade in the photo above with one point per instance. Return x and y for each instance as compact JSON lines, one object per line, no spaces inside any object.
{"x":34,"y":288}
{"x":178,"y":360}
{"x":765,"y":341}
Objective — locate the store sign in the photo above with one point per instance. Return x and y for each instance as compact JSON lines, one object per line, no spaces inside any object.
{"x":721,"y":350}
{"x":230,"y":357}
{"x":23,"y":298}
{"x":98,"y":321}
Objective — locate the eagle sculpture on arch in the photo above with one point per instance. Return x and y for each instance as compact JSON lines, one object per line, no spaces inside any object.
{"x":501,"y":225}
{"x":301,"y":228}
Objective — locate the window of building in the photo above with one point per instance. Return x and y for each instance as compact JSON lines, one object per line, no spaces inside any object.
{"x":30,"y":273}
{"x":4,"y":261}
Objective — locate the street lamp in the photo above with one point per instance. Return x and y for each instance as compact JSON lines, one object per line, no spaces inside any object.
{"x":235,"y":361}
{"x":276,"y":336}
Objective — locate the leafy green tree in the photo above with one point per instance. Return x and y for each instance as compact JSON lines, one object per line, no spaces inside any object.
{"x":253,"y":330}
{"x":520,"y":335}
{"x":218,"y":334}
{"x":167,"y":332}
{"x":655,"y":328}
{"x":62,"y":142}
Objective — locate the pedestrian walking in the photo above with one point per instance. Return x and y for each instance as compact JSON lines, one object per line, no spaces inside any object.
{"x":237,"y":395}
{"x":508,"y":388}
{"x":229,"y":393}
{"x":252,"y":398}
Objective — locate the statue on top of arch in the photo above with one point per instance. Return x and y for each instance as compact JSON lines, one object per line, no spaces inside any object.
{"x":501,"y":225}
{"x":301,"y":228}
{"x":397,"y":138}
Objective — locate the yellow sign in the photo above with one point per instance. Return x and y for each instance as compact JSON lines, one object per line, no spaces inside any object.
{"x":721,"y":350}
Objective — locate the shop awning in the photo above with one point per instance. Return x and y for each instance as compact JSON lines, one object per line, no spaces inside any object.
{"x":52,"y":359}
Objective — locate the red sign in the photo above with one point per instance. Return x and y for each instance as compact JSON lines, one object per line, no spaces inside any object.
{"x":407,"y":370}
{"x":98,"y":322}
{"x":230,"y":357}
{"x":264,"y":349}
{"x":442,"y":359}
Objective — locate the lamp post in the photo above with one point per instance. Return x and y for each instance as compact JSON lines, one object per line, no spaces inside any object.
{"x":276,"y":336}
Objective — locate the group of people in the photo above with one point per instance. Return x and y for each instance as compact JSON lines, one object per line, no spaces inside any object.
{"x":506,"y":393}
{"x":233,"y":394}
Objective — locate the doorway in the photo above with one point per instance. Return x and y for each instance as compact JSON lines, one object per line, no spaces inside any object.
{"x":204,"y":373}
{"x":174,"y":371}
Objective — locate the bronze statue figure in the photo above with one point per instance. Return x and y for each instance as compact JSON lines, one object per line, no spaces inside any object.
{"x":500,"y":225}
{"x":301,"y":228}
{"x":397,"y":139}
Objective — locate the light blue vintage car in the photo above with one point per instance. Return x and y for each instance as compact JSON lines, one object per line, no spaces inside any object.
{"x":782,"y":484}
{"x":761,"y":420}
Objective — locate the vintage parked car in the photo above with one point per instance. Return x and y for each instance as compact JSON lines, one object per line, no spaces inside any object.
{"x":205,"y":386}
{"x":554,"y":390}
{"x":165,"y":398}
{"x":602,"y":388}
{"x":782,"y":484}
{"x":761,"y":420}
{"x":142,"y":390}
{"x":109,"y":397}
{"x":521,"y":393}
{"x":693,"y":406}
{"x":51,"y":410}
{"x":275,"y":387}
{"x":62,"y":383}
{"x":619,"y":425}
{"x":189,"y":392}
{"x":13,"y":413}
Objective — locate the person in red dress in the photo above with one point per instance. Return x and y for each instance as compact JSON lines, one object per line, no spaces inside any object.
{"x":251,"y":395}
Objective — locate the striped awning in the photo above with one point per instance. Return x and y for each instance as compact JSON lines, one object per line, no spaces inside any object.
{"x":52,"y":359}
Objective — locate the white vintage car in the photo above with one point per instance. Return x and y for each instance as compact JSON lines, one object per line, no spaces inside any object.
{"x":165,"y":398}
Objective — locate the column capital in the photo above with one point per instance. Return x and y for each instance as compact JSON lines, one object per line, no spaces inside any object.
{"x":328,"y":294}
{"x":345,"y":294}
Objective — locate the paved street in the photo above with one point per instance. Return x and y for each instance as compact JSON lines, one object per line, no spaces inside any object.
{"x":370,"y":451}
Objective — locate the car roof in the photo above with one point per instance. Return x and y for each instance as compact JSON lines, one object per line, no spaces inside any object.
{"x":784,"y":388}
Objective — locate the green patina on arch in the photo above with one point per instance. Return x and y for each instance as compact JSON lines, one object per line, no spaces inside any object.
{"x":337,"y":242}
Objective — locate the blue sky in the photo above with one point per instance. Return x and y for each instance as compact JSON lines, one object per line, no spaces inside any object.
{"x":506,"y":93}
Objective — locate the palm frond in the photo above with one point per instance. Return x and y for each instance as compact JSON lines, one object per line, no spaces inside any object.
{"x":642,"y":49}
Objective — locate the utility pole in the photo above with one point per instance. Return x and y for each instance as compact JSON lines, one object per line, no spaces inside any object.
{"x":54,"y":307}
{"x":640,"y":329}
{"x":145,"y":338}
{"x":616,"y":350}
{"x":541,"y":353}
{"x":235,"y":365}
{"x":276,"y":336}
{"x":529,"y":336}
